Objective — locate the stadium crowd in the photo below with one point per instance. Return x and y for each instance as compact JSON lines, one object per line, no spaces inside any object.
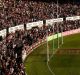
{"x":12,"y":46}
{"x":15,"y":12}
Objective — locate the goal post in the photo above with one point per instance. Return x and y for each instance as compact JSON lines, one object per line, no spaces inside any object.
{"x":49,"y":39}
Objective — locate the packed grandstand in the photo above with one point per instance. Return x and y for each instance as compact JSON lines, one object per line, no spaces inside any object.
{"x":22,"y":12}
{"x":15,"y":12}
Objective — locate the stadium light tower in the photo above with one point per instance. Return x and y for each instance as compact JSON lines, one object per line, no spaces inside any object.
{"x":53,"y":38}
{"x":61,"y":30}
{"x":62,"y":35}
{"x":57,"y":25}
{"x":53,"y":31}
{"x":47,"y":47}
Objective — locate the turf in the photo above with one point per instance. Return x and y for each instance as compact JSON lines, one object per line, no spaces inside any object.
{"x":63,"y":64}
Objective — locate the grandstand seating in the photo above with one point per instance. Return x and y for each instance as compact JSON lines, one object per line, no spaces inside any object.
{"x":15,"y":12}
{"x":19,"y":38}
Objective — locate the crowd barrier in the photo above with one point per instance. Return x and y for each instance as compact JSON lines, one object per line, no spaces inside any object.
{"x":25,"y":52}
{"x":66,"y":33}
{"x":40,"y":42}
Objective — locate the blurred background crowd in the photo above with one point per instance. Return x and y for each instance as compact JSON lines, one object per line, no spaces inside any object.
{"x":15,"y":12}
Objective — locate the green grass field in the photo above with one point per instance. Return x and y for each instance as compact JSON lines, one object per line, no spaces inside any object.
{"x":61,"y":64}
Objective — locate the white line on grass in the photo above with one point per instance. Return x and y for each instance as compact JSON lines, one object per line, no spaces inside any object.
{"x":52,"y":72}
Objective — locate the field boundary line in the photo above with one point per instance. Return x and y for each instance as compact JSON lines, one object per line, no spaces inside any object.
{"x":50,"y":59}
